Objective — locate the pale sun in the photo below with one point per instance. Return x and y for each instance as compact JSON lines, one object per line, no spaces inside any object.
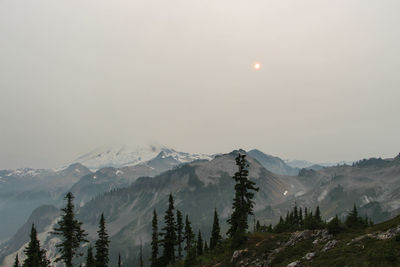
{"x":257,"y":66}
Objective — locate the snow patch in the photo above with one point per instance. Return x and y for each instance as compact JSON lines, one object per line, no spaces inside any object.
{"x":300,"y":193}
{"x":366,"y":199}
{"x":322,"y":195}
{"x":24,"y":172}
{"x":128,"y":155}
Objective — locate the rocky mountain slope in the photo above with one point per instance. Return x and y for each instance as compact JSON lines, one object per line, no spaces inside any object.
{"x":23,"y":190}
{"x":374,"y":246}
{"x":273,"y":164}
{"x":373,"y":185}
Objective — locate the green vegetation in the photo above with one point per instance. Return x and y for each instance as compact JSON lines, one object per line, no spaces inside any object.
{"x":154,"y":241}
{"x":90,"y":262}
{"x":169,"y":235}
{"x":365,"y":252}
{"x":243,"y":203}
{"x":216,"y":238}
{"x":102,"y":244}
{"x":16,"y":261}
{"x":35,"y":256}
{"x":71,"y":233}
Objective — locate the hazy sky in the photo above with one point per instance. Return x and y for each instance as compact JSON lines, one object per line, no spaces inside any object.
{"x":77,"y":74}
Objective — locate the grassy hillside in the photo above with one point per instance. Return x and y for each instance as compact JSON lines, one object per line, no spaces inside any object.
{"x":378,"y":245}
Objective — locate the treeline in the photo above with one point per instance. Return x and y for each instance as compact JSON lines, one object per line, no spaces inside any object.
{"x":177,"y":240}
{"x":296,"y":220}
{"x":72,"y":236}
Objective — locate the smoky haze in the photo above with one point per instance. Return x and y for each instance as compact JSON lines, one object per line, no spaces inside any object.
{"x":76,"y":74}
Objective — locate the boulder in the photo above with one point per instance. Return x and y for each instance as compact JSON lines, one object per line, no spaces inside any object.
{"x":330,"y":245}
{"x":309,"y":256}
{"x":295,"y":264}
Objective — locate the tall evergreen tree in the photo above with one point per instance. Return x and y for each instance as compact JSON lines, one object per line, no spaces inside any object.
{"x":169,"y":234}
{"x":154,"y":240}
{"x":179,"y":232}
{"x":71,"y":232}
{"x":205,"y":247}
{"x":141,"y":263}
{"x":301,"y":221}
{"x":334,"y":226}
{"x":119,"y":260}
{"x":188,"y":236}
{"x":353,"y":220}
{"x":89,"y":257}
{"x":16,"y":261}
{"x":102,"y":244}
{"x":215,"y":232}
{"x":318,"y":214}
{"x":35,"y":257}
{"x":200,"y":244}
{"x":243,"y":201}
{"x":258,"y":226}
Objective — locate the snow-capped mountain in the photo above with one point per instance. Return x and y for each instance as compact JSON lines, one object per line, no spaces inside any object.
{"x":131,"y":155}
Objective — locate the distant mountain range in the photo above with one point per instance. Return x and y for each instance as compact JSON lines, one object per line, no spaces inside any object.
{"x":93,"y":173}
{"x":22,"y":190}
{"x":303,"y":164}
{"x":131,"y":155}
{"x":202,"y":185}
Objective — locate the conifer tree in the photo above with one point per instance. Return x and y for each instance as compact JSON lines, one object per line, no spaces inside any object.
{"x":353,"y":220}
{"x":141,"y":264}
{"x":242,"y":203}
{"x":89,"y":257}
{"x":188,"y":235}
{"x":258,"y":226}
{"x":16,"y":261}
{"x":119,"y":260}
{"x":334,"y":226}
{"x":318,"y":214}
{"x":102,"y":244}
{"x":154,"y":241}
{"x":295,"y":217}
{"x":190,"y":246}
{"x":301,"y":221}
{"x":215,"y":232}
{"x":169,"y":234}
{"x":190,"y":257}
{"x":35,"y":257}
{"x":205,"y":247}
{"x":280,"y":227}
{"x":71,"y":232}
{"x":179,"y":232}
{"x":199,"y":244}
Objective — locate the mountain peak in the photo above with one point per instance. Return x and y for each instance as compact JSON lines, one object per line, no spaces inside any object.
{"x":130,"y":155}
